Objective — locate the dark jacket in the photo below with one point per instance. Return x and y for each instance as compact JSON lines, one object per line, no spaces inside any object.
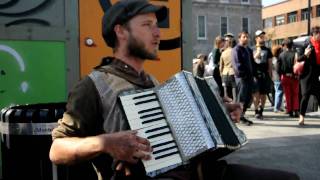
{"x":309,"y":79}
{"x":286,"y":62}
{"x":242,"y":61}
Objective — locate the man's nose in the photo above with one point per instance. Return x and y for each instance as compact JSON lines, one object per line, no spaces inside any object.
{"x":156,"y":31}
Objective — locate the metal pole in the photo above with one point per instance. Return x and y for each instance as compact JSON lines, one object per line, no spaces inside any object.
{"x":309,"y":16}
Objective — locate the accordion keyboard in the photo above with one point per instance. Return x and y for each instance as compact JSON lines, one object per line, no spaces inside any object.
{"x":145,"y":115}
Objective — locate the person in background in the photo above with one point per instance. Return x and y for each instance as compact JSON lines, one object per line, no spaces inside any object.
{"x":310,"y":77}
{"x":242,"y":60}
{"x":276,"y":50}
{"x":289,"y":80}
{"x":199,"y":64}
{"x":226,"y":70}
{"x":263,"y":65}
{"x":214,"y":60}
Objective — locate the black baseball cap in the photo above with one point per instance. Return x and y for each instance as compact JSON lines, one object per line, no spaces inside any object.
{"x":122,"y":11}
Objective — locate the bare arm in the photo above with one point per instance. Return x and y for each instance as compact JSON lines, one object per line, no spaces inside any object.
{"x":124,"y":146}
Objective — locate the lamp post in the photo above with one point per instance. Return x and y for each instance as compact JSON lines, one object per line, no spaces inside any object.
{"x":309,"y":16}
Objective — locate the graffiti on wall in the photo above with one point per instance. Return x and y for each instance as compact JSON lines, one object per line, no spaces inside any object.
{"x":35,"y":13}
{"x":32,"y":72}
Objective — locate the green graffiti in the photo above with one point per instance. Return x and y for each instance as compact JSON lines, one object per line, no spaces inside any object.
{"x":32,"y":72}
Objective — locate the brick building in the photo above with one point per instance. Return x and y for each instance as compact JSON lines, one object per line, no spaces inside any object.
{"x":288,"y":19}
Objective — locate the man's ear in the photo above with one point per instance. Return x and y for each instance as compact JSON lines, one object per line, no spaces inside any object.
{"x":120,"y":32}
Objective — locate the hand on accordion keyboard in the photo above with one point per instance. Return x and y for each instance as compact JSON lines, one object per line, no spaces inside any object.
{"x":126,"y":146}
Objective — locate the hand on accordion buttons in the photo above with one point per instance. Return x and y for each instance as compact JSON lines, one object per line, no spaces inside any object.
{"x":126,"y":146}
{"x":235,"y":111}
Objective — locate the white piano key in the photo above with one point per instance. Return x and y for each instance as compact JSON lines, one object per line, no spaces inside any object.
{"x":157,"y":132}
{"x":152,"y":165}
{"x":131,"y":96}
{"x":134,"y":101}
{"x":134,"y":114}
{"x":139,"y":125}
{"x":133,"y":109}
{"x":165,"y":152}
{"x":172,"y":144}
{"x":144,"y":122}
{"x":150,"y":112}
{"x":155,"y":140}
{"x":170,"y":138}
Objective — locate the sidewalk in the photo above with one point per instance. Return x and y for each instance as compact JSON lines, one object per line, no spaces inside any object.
{"x":278,"y":142}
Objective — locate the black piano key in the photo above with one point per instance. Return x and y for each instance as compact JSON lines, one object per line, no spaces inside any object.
{"x":162,"y":144}
{"x":148,"y":110}
{"x":151,"y":115}
{"x":145,"y":95}
{"x":146,"y":101}
{"x":156,"y":129}
{"x":152,"y":120}
{"x":166,"y":155}
{"x":163,"y":150}
{"x":157,"y":135}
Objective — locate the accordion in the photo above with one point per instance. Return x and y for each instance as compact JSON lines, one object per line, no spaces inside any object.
{"x":182,"y":118}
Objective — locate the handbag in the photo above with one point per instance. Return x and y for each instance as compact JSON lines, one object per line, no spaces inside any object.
{"x":298,"y":68}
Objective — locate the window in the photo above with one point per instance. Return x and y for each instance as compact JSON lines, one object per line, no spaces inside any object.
{"x":245,"y":24}
{"x":202,"y":27}
{"x":267,"y":23}
{"x":223,"y":26}
{"x":245,"y":1}
{"x":278,"y":41}
{"x":279,"y":20}
{"x":304,"y":14}
{"x":318,"y":10}
{"x":292,"y":17}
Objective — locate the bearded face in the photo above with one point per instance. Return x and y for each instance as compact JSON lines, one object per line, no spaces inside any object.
{"x":137,"y":48}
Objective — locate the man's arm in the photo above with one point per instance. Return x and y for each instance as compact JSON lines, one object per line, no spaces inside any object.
{"x":124,"y":146}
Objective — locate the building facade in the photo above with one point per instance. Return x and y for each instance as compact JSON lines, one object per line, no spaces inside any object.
{"x":289,"y":19}
{"x":212,"y":18}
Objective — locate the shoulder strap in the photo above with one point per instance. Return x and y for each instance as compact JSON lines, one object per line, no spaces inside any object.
{"x":99,"y":82}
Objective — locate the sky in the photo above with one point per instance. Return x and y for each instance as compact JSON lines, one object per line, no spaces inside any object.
{"x":269,"y":2}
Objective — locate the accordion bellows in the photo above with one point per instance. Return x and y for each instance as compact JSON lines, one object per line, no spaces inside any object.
{"x":182,"y":118}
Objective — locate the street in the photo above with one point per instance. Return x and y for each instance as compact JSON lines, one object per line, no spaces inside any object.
{"x":278,"y":142}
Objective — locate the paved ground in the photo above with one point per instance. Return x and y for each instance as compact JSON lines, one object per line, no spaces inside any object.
{"x":278,"y":142}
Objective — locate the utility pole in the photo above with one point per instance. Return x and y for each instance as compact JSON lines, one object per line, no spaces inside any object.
{"x":309,"y":16}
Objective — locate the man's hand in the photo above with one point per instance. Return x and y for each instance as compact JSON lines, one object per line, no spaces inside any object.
{"x":126,"y":146}
{"x":235,"y":110}
{"x":121,"y":166}
{"x":307,"y":51}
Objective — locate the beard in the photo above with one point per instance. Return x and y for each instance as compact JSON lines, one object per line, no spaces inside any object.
{"x":136,"y":48}
{"x":261,"y":43}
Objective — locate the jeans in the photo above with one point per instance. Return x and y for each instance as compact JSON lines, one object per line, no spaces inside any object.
{"x":244,"y":93}
{"x":278,"y":95}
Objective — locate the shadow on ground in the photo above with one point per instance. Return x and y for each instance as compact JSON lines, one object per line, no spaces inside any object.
{"x":299,"y":154}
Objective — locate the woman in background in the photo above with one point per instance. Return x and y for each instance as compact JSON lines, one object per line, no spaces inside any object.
{"x":199,"y":64}
{"x":214,"y":60}
{"x":276,"y":50}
